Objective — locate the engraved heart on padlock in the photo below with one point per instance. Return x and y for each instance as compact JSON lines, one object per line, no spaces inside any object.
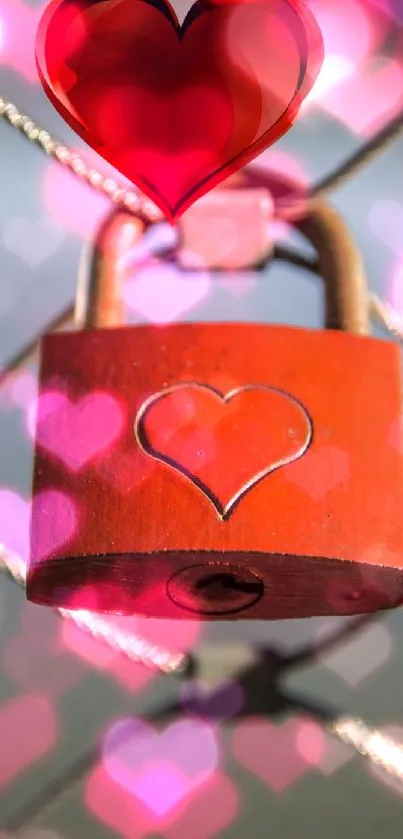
{"x":224,"y":444}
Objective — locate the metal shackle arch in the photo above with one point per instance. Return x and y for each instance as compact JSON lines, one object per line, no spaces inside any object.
{"x":339,"y":263}
{"x":99,"y":298}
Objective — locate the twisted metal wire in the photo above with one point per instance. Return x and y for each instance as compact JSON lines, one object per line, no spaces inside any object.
{"x":130,"y":199}
{"x":378,"y":749}
{"x":131,"y":646}
{"x":292,"y":207}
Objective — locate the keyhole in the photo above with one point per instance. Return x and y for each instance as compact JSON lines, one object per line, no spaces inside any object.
{"x":219,"y":586}
{"x":215,"y":588}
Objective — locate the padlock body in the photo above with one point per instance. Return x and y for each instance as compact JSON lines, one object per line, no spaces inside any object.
{"x":219,"y":471}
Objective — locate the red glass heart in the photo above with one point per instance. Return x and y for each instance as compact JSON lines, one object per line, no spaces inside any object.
{"x":177,"y":109}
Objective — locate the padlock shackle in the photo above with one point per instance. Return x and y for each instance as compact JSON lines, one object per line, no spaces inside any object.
{"x":340,"y":263}
{"x":99,"y":300}
{"x":341,"y":267}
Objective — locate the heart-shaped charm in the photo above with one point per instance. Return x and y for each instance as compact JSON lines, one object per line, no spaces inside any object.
{"x":224,"y":443}
{"x":178,"y":108}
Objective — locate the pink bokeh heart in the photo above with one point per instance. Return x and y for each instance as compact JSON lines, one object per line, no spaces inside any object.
{"x":125,"y":471}
{"x":321,"y":471}
{"x":347,"y":28}
{"x":161,"y":294}
{"x":76,"y":432}
{"x":28,"y":730}
{"x":278,"y":754}
{"x":362,"y":656}
{"x":15,"y":513}
{"x":160,"y":768}
{"x":58,"y":507}
{"x":335,"y":756}
{"x":220,"y":702}
{"x":364,"y":101}
{"x":203,"y":815}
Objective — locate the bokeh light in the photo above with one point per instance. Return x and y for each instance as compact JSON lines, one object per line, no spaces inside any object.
{"x":154,"y":792}
{"x":28,"y":731}
{"x":18,"y":29}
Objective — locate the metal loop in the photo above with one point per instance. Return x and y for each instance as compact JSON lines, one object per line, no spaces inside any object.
{"x":99,"y":295}
{"x":341,"y":267}
{"x":99,"y":301}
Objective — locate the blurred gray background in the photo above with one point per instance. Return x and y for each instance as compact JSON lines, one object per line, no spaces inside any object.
{"x":63,"y":694}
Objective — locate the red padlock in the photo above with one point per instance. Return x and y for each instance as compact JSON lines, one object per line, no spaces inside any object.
{"x":220,"y":470}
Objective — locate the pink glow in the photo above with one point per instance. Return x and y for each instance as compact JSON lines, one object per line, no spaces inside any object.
{"x":395,"y":294}
{"x":335,"y":69}
{"x":347,"y":29}
{"x":18,"y":24}
{"x":310,"y":742}
{"x":74,"y":204}
{"x":153,"y":641}
{"x":320,"y":471}
{"x":274,"y":753}
{"x":161,"y":787}
{"x":386,"y":222}
{"x":284,"y":164}
{"x":160,"y":768}
{"x":59,"y":522}
{"x":161,"y":294}
{"x":28,"y":731}
{"x":76,"y":433}
{"x":364,"y":101}
{"x":14,"y":522}
{"x":175,"y":636}
{"x":23,"y":389}
{"x":202,"y":815}
{"x":335,"y":756}
{"x":226,"y":231}
{"x":125,"y":470}
{"x":131,"y":675}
